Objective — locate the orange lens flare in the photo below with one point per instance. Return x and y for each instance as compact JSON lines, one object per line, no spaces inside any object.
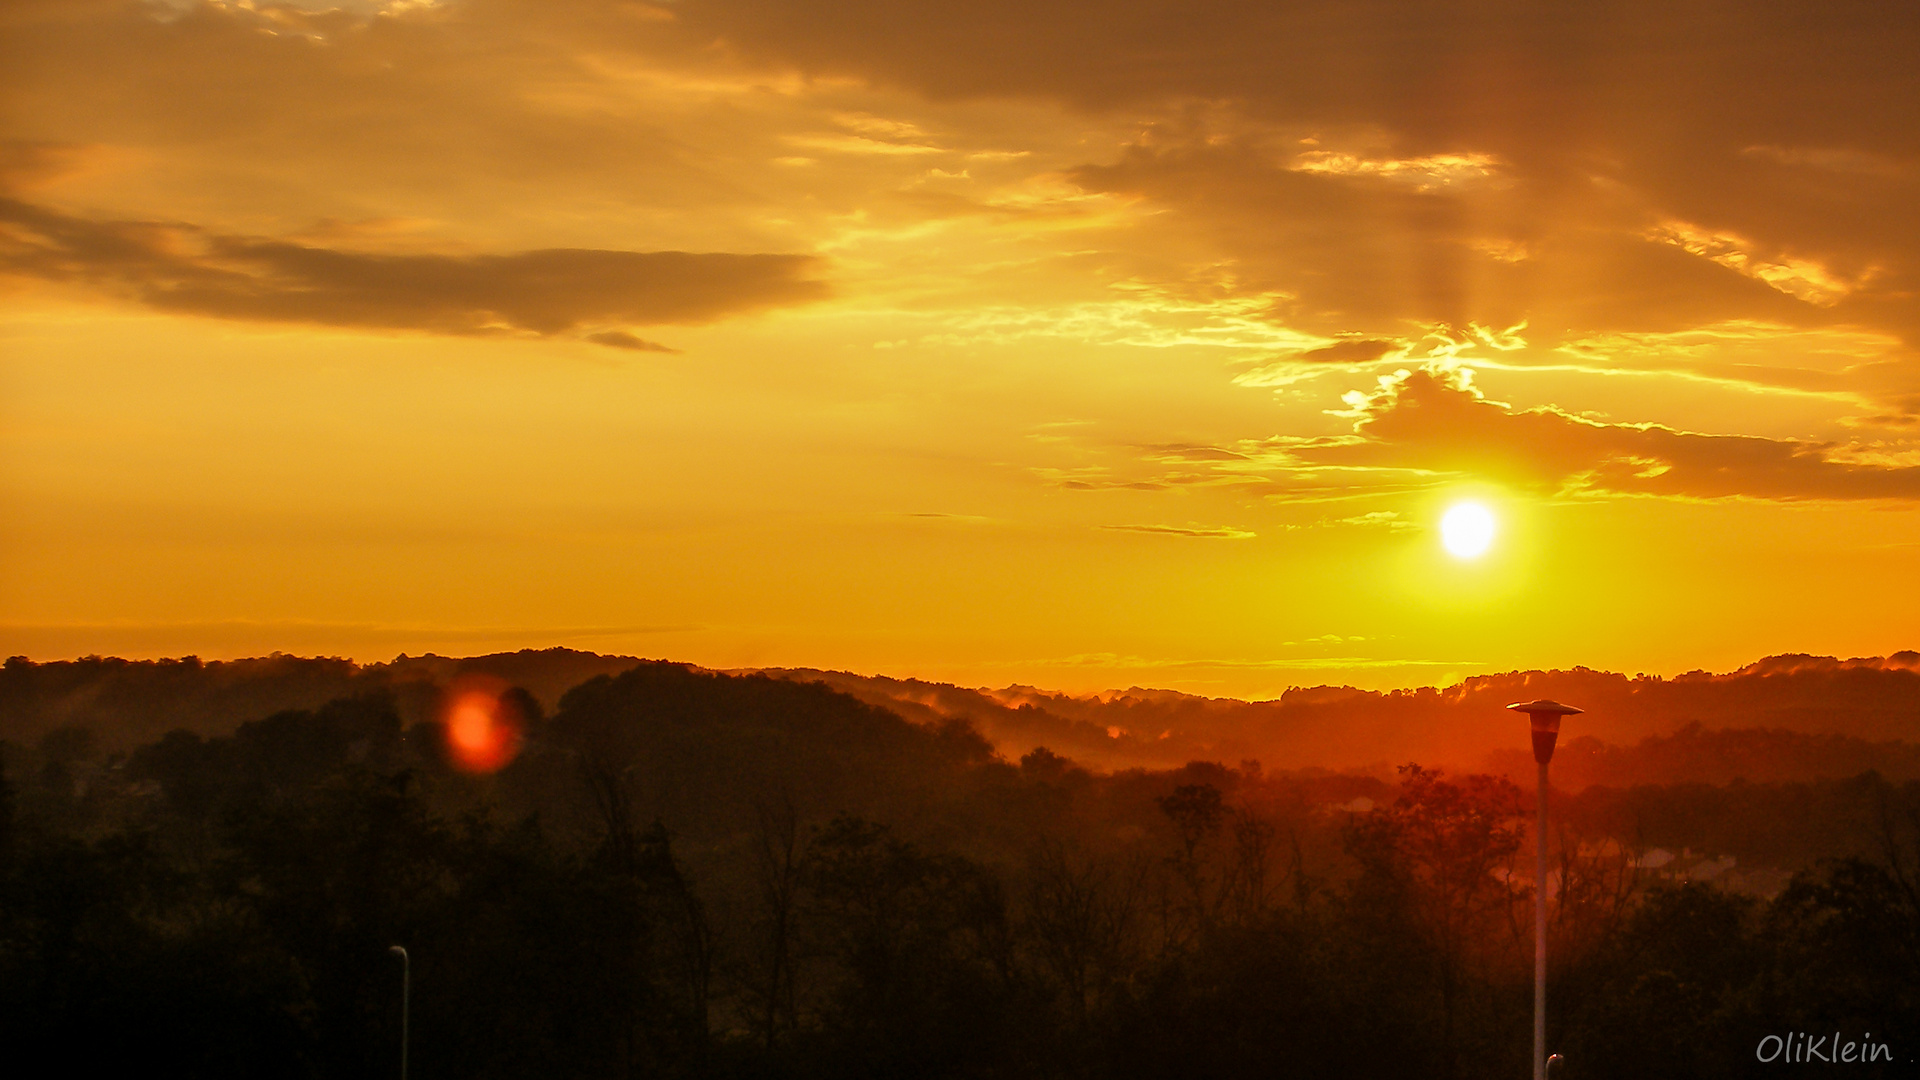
{"x":482,"y":727}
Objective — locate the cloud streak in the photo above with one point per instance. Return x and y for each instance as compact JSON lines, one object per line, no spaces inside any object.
{"x":1197,"y":531}
{"x":179,"y":267}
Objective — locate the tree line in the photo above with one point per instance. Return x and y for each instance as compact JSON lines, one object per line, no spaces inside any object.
{"x":685,"y":874}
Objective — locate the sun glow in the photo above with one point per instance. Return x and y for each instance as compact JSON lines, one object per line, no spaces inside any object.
{"x":1467,"y":530}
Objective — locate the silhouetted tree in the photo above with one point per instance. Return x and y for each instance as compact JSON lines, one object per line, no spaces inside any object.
{"x":1082,"y":916}
{"x":921,"y":942}
{"x":1197,"y":811}
{"x":777,"y":867}
{"x":1434,"y":853}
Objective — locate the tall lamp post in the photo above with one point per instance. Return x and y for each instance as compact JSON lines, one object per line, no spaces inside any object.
{"x":1545,"y":716}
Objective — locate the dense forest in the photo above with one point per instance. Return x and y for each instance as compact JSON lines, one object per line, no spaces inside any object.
{"x":683,"y":873}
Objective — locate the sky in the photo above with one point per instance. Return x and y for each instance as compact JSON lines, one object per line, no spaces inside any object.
{"x":1056,"y":343}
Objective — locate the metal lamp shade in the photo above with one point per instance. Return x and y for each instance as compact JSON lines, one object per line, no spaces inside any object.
{"x":1545,"y":717}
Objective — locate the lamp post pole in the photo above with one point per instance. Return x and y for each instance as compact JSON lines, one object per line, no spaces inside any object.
{"x":406,"y":988}
{"x":1545,"y":717}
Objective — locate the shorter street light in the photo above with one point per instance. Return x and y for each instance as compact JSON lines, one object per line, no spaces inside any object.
{"x":406,"y":990}
{"x":1545,"y":716}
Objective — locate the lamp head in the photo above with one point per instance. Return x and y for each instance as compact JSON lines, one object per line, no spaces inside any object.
{"x":1545,"y":718}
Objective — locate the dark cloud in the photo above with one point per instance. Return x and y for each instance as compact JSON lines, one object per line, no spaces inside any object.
{"x":1553,"y":76}
{"x":1593,"y":168}
{"x":450,"y":111}
{"x":1796,"y":131}
{"x":1791,"y":131}
{"x":1351,"y":351}
{"x":178,"y":267}
{"x":1112,"y":485}
{"x":1432,"y":422}
{"x":1188,"y":452}
{"x":27,"y":162}
{"x":620,"y":339}
{"x":1352,"y":251}
{"x":1196,"y":531}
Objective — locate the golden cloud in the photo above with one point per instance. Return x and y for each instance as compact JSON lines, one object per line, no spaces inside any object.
{"x":1437,"y":422}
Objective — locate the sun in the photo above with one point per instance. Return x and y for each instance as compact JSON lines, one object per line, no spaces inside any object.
{"x":1467,"y":530}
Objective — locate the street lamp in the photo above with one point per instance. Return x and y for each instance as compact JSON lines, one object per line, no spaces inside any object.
{"x":1545,"y":716}
{"x":406,"y":980}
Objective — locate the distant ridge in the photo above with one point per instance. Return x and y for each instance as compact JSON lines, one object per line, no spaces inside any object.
{"x":1862,"y":711}
{"x":1875,"y":699}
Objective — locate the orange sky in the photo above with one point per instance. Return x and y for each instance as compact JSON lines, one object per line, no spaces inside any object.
{"x":1073,"y":344}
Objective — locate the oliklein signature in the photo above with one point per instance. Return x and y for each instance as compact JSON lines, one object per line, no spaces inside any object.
{"x":1799,"y":1046}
